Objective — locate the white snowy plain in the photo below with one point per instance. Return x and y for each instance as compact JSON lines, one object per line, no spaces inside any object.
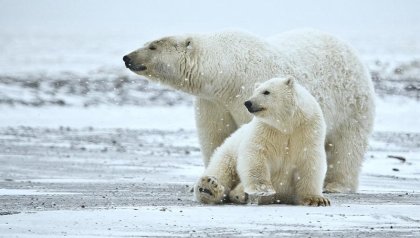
{"x":404,"y":116}
{"x":250,"y":220}
{"x":202,"y":221}
{"x":79,"y":36}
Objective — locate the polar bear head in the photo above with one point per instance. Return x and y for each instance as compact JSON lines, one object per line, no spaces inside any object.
{"x":274,"y":102}
{"x":164,"y":60}
{"x":203,"y":64}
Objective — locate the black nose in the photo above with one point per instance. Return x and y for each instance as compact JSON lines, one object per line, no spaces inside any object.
{"x":248,"y":104}
{"x":126,"y":59}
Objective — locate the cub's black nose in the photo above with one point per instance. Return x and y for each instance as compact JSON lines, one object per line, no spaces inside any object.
{"x":248,"y":104}
{"x":126,"y":59}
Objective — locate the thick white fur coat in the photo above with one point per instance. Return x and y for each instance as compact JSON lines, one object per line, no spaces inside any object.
{"x":279,"y":156}
{"x":220,"y":69}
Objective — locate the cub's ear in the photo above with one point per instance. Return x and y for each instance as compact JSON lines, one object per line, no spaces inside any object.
{"x":257,"y":84}
{"x":290,"y":81}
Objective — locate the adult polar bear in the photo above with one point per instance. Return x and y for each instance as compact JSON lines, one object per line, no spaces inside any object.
{"x":220,"y":69}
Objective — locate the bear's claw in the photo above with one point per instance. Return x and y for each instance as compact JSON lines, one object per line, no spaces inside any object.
{"x":205,"y":190}
{"x":315,"y":201}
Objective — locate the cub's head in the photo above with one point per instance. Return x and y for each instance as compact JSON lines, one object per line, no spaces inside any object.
{"x":166,"y":60}
{"x":273,"y":100}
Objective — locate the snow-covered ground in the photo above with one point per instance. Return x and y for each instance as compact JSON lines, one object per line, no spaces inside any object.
{"x":65,"y":178}
{"x":87,"y":149}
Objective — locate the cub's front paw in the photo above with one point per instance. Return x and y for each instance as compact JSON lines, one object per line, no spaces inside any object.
{"x":315,"y":200}
{"x":208,"y":190}
{"x":260,"y":190}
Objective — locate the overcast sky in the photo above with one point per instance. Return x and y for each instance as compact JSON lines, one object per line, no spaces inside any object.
{"x":263,"y":17}
{"x":90,"y":34}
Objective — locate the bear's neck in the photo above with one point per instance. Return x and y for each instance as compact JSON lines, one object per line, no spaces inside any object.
{"x":288,"y":122}
{"x":231,"y":79}
{"x":277,"y":125}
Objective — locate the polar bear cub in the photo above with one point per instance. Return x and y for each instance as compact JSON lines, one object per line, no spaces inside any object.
{"x":279,"y":157}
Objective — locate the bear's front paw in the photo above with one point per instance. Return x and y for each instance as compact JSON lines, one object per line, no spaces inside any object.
{"x":336,"y":188}
{"x":209,"y":191}
{"x":315,"y":201}
{"x":260,"y":190}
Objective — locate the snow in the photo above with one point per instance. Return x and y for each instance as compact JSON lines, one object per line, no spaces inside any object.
{"x":132,"y":161}
{"x":10,"y":192}
{"x":381,"y":208}
{"x":230,"y":220}
{"x":163,"y":118}
{"x":404,"y":116}
{"x":397,"y":114}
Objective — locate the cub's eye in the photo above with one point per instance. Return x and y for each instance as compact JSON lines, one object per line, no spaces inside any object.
{"x":266,"y":92}
{"x":152,"y":47}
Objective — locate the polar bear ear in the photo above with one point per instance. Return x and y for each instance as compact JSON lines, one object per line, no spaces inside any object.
{"x":290,"y":81}
{"x":188,"y":43}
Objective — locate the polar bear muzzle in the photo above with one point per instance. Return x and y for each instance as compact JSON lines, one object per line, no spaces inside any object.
{"x":252,"y":108}
{"x":129,"y":64}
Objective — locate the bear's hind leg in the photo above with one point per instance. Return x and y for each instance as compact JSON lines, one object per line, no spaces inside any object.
{"x":345,"y":150}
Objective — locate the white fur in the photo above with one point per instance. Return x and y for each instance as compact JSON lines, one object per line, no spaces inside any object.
{"x":280,"y":152}
{"x":220,"y":69}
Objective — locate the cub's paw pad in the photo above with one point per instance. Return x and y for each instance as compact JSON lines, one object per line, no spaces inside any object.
{"x":208,"y":190}
{"x":336,"y":188}
{"x":261,"y":190}
{"x":315,"y":201}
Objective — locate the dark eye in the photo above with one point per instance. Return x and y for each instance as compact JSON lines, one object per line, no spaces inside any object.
{"x":152,"y":47}
{"x":266,"y":92}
